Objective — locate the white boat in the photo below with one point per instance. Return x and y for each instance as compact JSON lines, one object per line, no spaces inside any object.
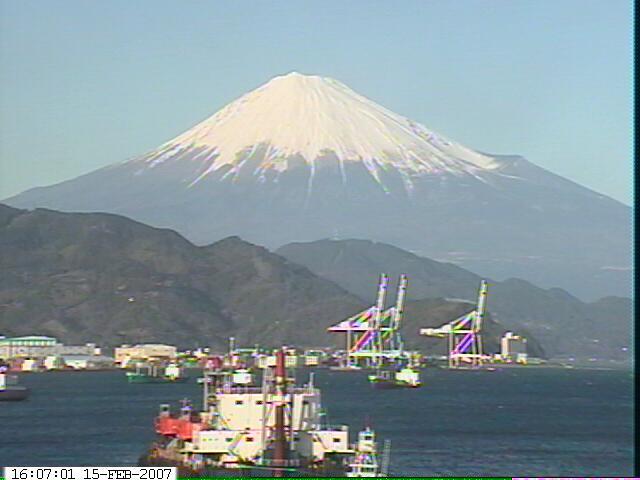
{"x":10,"y":390}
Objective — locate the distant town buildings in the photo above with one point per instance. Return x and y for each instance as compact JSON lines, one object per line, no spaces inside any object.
{"x":39,"y":347}
{"x":32,"y":346}
{"x":36,"y":353}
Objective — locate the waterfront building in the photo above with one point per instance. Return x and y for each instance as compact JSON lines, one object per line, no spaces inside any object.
{"x":40,"y":347}
{"x":292,"y":360}
{"x":27,"y":347}
{"x":126,"y":353}
{"x":53,"y":362}
{"x":87,"y":362}
{"x":31,"y":365}
{"x":513,"y":348}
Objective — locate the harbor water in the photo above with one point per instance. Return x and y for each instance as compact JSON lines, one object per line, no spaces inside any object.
{"x":533,"y":422}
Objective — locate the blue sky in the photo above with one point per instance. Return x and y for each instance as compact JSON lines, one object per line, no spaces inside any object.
{"x":84,"y":84}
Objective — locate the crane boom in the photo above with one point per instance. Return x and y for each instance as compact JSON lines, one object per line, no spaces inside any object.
{"x":399,"y":308}
{"x":482,"y":304}
{"x":382,"y":292}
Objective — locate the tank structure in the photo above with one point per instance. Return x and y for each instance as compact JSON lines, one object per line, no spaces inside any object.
{"x":276,"y":429}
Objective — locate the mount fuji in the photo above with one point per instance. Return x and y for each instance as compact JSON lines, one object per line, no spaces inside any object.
{"x":305,"y":157}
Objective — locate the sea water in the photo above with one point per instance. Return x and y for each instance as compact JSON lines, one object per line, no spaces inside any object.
{"x":530,"y":421}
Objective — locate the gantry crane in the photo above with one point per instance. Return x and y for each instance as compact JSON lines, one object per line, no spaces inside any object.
{"x":464,"y":333}
{"x":373,"y":334}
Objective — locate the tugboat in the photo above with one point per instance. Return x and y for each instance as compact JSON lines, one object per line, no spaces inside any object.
{"x":365,"y":461}
{"x":9,"y":388}
{"x":404,"y":375}
{"x":172,"y":373}
{"x":407,"y":377}
{"x":275,"y":430}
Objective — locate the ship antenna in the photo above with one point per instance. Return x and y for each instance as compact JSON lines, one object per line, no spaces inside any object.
{"x":367,"y":421}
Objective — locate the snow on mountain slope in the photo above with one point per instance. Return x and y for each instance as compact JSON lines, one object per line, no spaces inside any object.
{"x":308,"y":116}
{"x":304,"y":157}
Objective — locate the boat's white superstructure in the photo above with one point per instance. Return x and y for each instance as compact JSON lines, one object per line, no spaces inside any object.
{"x":365,"y":462}
{"x":240,"y":424}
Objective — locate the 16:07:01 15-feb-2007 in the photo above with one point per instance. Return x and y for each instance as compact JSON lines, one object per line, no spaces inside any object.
{"x":90,"y":473}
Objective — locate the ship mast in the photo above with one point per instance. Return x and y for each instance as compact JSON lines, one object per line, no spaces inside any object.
{"x":281,"y":447}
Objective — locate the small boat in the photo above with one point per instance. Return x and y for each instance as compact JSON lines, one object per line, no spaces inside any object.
{"x":172,"y":373}
{"x":238,"y":376}
{"x":407,"y":377}
{"x":10,"y":390}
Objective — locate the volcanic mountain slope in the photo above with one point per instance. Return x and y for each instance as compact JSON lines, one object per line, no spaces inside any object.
{"x":305,"y":157}
{"x":105,"y":278}
{"x":563,"y":324}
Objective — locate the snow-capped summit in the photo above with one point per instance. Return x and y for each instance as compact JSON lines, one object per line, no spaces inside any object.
{"x":312,"y":117}
{"x":304,"y":157}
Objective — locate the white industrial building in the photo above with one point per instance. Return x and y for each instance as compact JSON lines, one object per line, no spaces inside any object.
{"x":513,"y":348}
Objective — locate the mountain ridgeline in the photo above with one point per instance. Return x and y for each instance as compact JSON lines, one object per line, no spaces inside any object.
{"x":305,"y":157}
{"x":104,"y":278}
